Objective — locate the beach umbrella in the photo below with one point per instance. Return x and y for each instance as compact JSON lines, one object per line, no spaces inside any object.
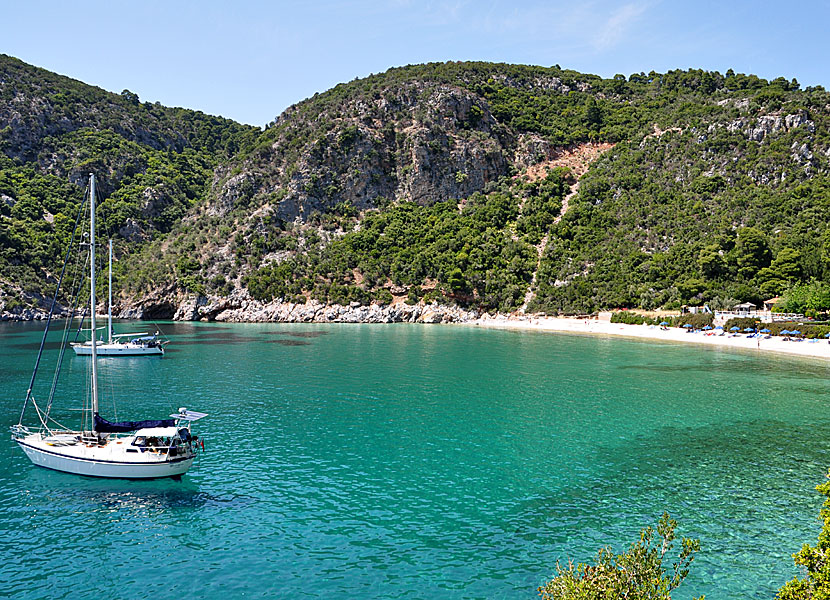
{"x":719,"y":327}
{"x":795,"y":332}
{"x":734,"y":328}
{"x":708,"y":327}
{"x":748,"y":329}
{"x":827,"y":335}
{"x":784,"y":332}
{"x":664,"y":323}
{"x":688,"y":326}
{"x":765,"y":330}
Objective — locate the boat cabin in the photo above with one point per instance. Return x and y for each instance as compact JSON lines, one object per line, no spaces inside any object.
{"x":160,"y":440}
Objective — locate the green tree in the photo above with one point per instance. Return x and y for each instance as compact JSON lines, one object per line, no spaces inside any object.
{"x":593,"y":115}
{"x":711,"y":262}
{"x":689,"y":289}
{"x":813,"y":296}
{"x":782,"y":272}
{"x":130,"y":97}
{"x":824,"y":252}
{"x":753,"y":252}
{"x":787,"y":264}
{"x":771,"y":286}
{"x":786,"y":267}
{"x":457,"y":281}
{"x":637,"y":574}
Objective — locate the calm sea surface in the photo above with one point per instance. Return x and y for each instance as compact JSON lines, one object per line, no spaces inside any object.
{"x":403,"y":461}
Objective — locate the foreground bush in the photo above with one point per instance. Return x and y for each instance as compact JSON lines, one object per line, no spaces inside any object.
{"x":637,"y":574}
{"x":815,"y":559}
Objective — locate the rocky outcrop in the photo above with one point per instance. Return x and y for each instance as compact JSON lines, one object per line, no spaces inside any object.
{"x":531,"y":149}
{"x":417,"y":141}
{"x":161,"y":303}
{"x":759,"y":128}
{"x":16,"y":304}
{"x":239,"y":307}
{"x":25,"y":314}
{"x":316,"y":312}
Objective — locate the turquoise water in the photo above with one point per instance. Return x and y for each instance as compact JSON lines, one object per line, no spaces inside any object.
{"x":405,"y":461}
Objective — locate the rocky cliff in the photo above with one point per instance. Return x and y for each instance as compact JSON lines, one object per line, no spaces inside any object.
{"x":409,"y":139}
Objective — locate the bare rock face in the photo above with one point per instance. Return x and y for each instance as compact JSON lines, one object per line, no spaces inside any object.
{"x":239,"y":307}
{"x":532,"y":149}
{"x":160,"y":304}
{"x":189,"y":309}
{"x":421,"y":142}
{"x":766,"y":125}
{"x":34,"y":306}
{"x":132,"y":231}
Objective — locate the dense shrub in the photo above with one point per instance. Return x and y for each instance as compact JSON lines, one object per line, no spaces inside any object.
{"x":632,"y":318}
{"x":697,"y":320}
{"x":743,"y":323}
{"x":637,"y":574}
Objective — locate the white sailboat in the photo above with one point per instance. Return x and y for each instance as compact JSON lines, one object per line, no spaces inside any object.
{"x":123,"y":344}
{"x":128,"y":449}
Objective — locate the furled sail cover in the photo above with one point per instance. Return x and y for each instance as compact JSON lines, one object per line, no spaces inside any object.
{"x":104,"y":426}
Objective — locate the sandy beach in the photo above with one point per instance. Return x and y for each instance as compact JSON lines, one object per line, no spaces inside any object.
{"x":806,"y":348}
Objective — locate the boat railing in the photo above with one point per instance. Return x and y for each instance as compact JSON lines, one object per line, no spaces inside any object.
{"x":19,"y":431}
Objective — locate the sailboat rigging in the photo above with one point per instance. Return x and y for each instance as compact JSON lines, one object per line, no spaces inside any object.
{"x":126,"y":449}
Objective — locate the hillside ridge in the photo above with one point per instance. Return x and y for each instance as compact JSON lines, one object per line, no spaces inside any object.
{"x":444,"y":182}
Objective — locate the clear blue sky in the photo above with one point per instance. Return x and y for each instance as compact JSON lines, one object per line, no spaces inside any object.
{"x":250,"y":60}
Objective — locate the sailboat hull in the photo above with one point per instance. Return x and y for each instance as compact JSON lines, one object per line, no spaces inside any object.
{"x":118,"y":350}
{"x":96,"y":462}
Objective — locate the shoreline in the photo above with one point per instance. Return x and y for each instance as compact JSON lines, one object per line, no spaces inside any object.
{"x":314,"y":312}
{"x":819,"y":349}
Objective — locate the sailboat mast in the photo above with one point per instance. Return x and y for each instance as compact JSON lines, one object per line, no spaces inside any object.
{"x":109,"y":304}
{"x":92,"y":296}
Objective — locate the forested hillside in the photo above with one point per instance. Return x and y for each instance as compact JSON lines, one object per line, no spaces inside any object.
{"x":152,"y":163}
{"x":455,"y":182}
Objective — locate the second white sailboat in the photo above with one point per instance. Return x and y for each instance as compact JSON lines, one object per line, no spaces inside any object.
{"x":122,"y":344}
